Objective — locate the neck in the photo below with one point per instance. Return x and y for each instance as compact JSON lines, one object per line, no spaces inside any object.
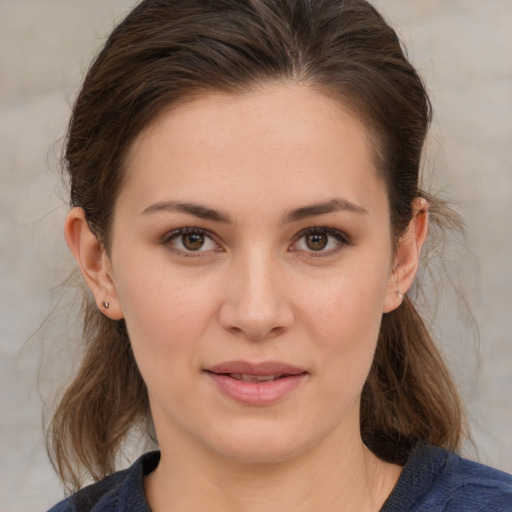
{"x":344,"y":477}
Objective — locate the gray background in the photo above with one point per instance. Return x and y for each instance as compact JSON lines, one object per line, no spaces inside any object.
{"x":463,"y":51}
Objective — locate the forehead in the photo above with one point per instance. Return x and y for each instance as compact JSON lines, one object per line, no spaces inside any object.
{"x":284,"y":141}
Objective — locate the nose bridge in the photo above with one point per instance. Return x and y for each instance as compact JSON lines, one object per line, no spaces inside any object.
{"x":255,"y":304}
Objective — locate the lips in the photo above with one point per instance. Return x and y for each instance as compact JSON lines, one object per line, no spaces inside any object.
{"x":256,"y":384}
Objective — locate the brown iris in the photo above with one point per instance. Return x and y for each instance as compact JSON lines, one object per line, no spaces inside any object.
{"x":317,"y":241}
{"x":193,"y":241}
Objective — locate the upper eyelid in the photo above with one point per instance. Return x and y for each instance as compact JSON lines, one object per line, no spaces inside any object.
{"x":323,"y":229}
{"x":188,"y":229}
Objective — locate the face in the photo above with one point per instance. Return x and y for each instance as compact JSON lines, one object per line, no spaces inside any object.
{"x":252,"y":260}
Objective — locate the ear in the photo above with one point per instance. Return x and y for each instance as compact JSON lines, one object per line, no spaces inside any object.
{"x":94,"y":263}
{"x":407,"y":256}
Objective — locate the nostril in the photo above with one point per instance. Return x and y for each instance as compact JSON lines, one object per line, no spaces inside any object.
{"x":258,"y":309}
{"x":266,"y":335}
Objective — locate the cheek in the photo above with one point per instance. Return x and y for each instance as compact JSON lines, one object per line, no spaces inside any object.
{"x":346,"y":302}
{"x":344,"y":317}
{"x":166,"y":320}
{"x":162,"y":310}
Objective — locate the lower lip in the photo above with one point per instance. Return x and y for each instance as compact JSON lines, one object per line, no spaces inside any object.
{"x":257,"y":393}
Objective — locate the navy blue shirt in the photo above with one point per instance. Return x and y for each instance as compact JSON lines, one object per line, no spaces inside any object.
{"x":433,"y":480}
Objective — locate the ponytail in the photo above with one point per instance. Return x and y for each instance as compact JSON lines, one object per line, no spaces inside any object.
{"x":409,"y":393}
{"x":106,"y":398}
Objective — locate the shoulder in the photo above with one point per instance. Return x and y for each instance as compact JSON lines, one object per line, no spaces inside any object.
{"x":436,"y":480}
{"x":478,"y":485}
{"x":123,"y":490}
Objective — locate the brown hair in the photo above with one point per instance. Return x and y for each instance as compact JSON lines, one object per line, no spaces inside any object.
{"x":169,"y":50}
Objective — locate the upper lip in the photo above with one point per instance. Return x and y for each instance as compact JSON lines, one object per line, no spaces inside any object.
{"x":263,"y":368}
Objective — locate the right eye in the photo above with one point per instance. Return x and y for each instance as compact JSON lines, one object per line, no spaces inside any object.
{"x":187,"y":241}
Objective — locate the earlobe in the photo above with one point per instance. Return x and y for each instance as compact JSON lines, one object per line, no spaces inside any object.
{"x":93,"y":262}
{"x":407,"y":256}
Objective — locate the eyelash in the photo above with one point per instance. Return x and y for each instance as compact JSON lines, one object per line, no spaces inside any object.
{"x":339,"y":236}
{"x":176,"y":234}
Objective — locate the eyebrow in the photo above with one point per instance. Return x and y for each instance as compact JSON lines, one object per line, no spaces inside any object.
{"x":333,"y":205}
{"x":197,"y":210}
{"x":203,"y":212}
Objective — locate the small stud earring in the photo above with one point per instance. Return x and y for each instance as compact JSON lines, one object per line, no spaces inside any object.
{"x":400,"y":295}
{"x":106,"y":304}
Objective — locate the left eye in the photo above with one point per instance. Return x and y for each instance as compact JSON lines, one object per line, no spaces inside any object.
{"x":190,"y":240}
{"x":320,"y":240}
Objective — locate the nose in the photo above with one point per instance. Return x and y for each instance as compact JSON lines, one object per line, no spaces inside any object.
{"x":255,"y":306}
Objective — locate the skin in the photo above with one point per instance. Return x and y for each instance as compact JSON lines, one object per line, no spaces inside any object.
{"x":255,"y":291}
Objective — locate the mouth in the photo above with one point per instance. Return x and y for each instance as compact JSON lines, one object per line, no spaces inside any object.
{"x":256,"y":384}
{"x":267,"y":371}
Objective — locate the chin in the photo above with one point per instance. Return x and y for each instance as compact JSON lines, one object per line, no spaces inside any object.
{"x":259,"y":443}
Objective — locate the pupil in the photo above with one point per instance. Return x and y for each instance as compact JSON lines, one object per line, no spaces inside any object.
{"x":317,"y":242}
{"x":193,"y":241}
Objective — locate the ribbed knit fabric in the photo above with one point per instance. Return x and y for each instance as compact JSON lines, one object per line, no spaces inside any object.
{"x":121,"y":492}
{"x":433,"y":480}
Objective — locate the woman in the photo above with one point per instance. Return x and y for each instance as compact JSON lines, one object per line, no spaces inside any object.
{"x":247,"y":216}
